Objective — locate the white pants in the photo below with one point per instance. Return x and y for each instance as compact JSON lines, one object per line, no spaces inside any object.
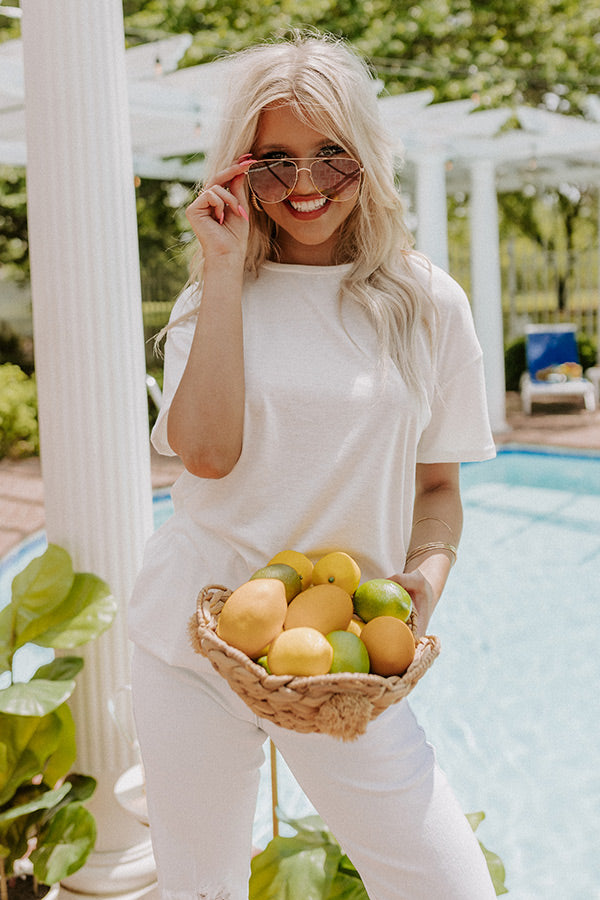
{"x":383,"y":796}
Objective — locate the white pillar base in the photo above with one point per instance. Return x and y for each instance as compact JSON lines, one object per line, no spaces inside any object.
{"x":147,"y":893}
{"x":114,"y":874}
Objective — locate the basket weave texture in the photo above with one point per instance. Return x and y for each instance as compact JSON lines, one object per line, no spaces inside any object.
{"x":341,"y":705}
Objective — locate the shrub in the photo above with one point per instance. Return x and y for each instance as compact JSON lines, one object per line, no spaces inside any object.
{"x":19,"y":434}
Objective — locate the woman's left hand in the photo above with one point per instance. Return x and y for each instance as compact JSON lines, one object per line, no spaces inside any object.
{"x":421,"y":594}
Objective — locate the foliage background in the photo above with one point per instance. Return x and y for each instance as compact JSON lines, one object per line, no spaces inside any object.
{"x":500,"y":52}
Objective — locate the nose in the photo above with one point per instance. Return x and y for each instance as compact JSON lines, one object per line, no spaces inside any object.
{"x":304,"y":184}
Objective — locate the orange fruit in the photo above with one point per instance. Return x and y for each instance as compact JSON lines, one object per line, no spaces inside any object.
{"x":390,"y":645}
{"x":253,"y":615}
{"x":325,"y":607}
{"x":300,"y":651}
{"x":349,"y":652}
{"x":382,"y":597}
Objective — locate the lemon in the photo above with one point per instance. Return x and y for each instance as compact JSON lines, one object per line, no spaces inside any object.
{"x":382,"y":597}
{"x":349,"y":652}
{"x":300,"y":651}
{"x":390,"y":645}
{"x":325,"y":607}
{"x":355,"y":625}
{"x":298,"y":561}
{"x":253,"y":615}
{"x":286,"y":574}
{"x":337,"y":568}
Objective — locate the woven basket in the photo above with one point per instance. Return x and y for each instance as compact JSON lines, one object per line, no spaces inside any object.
{"x":341,"y":705}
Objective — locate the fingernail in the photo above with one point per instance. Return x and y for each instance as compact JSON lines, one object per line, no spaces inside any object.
{"x":222,"y":218}
{"x":244,"y":157}
{"x":243,"y":213}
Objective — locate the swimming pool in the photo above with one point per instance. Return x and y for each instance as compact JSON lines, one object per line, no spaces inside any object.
{"x":511,"y":704}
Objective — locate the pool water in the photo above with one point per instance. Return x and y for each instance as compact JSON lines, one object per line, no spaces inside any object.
{"x":511,"y":704}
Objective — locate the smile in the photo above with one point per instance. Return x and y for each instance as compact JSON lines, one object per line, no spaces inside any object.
{"x":307,"y":205}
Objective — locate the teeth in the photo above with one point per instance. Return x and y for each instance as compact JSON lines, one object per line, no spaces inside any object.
{"x":308,"y":205}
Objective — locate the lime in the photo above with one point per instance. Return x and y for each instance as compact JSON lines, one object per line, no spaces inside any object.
{"x":382,"y":597}
{"x":262,"y":661}
{"x":337,"y":568}
{"x":349,"y":652}
{"x":286,"y":574}
{"x":297,"y":561}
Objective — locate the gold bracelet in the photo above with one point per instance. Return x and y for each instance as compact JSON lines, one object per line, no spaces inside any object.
{"x":432,"y":519}
{"x":432,"y":545}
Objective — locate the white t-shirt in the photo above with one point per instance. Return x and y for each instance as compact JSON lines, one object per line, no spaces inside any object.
{"x":331,"y":440}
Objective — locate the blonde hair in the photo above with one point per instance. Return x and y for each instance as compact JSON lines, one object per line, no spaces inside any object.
{"x":330,"y":87}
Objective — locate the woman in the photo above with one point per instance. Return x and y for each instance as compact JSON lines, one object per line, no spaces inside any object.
{"x":321,"y":394}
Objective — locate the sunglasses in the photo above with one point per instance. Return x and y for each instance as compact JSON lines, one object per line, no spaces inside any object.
{"x":336,"y":177}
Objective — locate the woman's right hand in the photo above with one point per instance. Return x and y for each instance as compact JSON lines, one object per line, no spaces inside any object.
{"x":218,"y":215}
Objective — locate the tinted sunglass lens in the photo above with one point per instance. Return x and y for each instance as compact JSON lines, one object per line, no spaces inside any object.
{"x":337,"y":178}
{"x":272,"y":179}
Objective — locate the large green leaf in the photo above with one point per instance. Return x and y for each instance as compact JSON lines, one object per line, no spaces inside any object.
{"x":37,"y":590}
{"x":63,"y":668}
{"x":47,"y":578}
{"x":65,"y":844}
{"x":81,"y":788}
{"x":59,"y":762}
{"x":46,"y":800}
{"x":35,"y":698}
{"x":86,"y":612}
{"x":291,"y":869}
{"x":27,"y":747}
{"x":347,"y":887}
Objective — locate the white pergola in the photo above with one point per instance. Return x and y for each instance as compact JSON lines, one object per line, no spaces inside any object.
{"x":445,"y":147}
{"x":84,"y":116}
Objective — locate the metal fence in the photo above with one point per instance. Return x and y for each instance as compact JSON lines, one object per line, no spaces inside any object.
{"x":539,"y":286}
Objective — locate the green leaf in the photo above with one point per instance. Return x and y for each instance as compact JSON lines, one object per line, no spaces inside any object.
{"x":32,"y":746}
{"x":496,"y":870}
{"x":494,"y":863}
{"x":288,"y":868}
{"x":37,"y":590}
{"x":65,"y":844}
{"x":86,"y":612}
{"x":48,"y":575}
{"x":35,"y":698}
{"x":63,"y":756}
{"x":82,"y":787}
{"x":475,"y":819}
{"x":47,"y":800}
{"x":25,"y":744}
{"x":63,"y":668}
{"x":347,"y":887}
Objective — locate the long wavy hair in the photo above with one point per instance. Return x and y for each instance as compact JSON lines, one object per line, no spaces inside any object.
{"x":330,"y":87}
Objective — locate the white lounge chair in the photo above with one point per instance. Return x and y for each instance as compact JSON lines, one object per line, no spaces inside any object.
{"x":553,"y":368}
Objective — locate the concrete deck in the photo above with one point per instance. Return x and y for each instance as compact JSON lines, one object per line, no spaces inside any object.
{"x":566,"y":425}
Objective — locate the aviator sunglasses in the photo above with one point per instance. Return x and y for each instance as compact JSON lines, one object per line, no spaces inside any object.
{"x":336,"y":178}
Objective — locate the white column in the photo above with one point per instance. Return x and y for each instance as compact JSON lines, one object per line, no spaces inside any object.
{"x":486,"y":285}
{"x":431,"y":206}
{"x":90,"y":367}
